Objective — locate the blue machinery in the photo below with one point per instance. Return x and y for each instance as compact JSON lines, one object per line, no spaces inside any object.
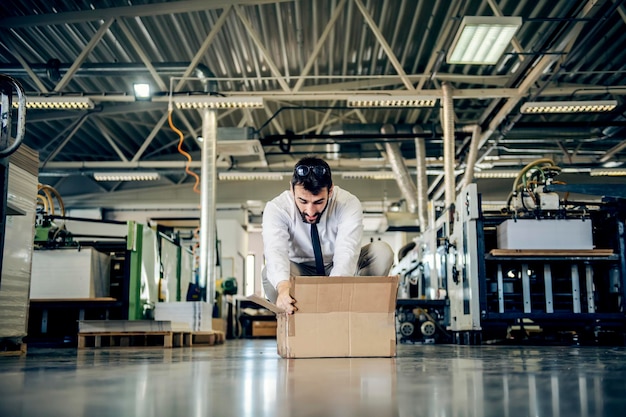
{"x":542,"y":269}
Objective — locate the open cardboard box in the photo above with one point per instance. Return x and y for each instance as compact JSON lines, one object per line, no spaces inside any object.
{"x":337,"y":317}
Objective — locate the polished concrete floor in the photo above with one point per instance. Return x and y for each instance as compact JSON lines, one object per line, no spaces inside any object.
{"x":246,"y":378}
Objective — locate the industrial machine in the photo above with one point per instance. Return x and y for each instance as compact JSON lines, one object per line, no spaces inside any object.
{"x":544,"y":268}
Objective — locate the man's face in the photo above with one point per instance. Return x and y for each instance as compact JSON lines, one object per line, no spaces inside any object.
{"x":309,"y":205}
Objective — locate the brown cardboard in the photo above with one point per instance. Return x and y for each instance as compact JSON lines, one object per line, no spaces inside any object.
{"x":337,"y":317}
{"x":264,"y":328}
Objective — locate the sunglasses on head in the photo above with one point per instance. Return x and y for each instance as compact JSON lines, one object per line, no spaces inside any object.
{"x":304,"y":170}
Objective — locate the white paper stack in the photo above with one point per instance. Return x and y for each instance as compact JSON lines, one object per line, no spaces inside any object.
{"x":70,"y":273}
{"x":18,"y":242}
{"x":197,"y":315}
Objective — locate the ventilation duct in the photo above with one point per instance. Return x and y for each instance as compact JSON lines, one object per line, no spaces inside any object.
{"x":473,"y":153}
{"x":403,"y":177}
{"x":447,"y":122}
{"x":105,"y":69}
{"x":421,"y":178}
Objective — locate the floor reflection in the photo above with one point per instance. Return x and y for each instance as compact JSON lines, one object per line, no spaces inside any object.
{"x":246,"y":378}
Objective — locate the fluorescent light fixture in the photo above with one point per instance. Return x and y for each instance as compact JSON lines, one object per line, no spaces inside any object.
{"x":142,"y":91}
{"x":495,"y":174}
{"x":404,"y":100}
{"x":252,"y":176}
{"x":608,"y":172}
{"x":568,"y":106}
{"x":126,"y":176}
{"x":368,"y":175}
{"x":481,"y":40}
{"x":58,"y":103}
{"x":202,"y":101}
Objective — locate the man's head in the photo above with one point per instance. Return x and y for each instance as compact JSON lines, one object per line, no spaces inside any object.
{"x":312,"y":187}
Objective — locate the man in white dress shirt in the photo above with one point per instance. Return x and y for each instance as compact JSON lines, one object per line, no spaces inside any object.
{"x":287,"y":220}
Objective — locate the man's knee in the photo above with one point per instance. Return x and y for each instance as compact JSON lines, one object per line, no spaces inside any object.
{"x":376,"y":259}
{"x":384,"y":255}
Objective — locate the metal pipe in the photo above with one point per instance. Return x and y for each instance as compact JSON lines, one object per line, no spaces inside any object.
{"x":403,"y":177}
{"x":208,"y":233}
{"x":473,"y":154}
{"x":421,"y":180}
{"x":447,"y":123}
{"x":104,"y":69}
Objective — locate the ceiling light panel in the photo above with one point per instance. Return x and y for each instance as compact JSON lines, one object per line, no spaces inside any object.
{"x":58,"y":103}
{"x":217,"y":102}
{"x":368,"y":175}
{"x":608,"y":172}
{"x":568,"y":106}
{"x":495,"y":174}
{"x":126,"y":176}
{"x":252,"y":176}
{"x":391,"y":101}
{"x":481,"y":40}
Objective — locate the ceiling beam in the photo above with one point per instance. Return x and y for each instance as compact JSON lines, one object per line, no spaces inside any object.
{"x":83,"y":54}
{"x":318,"y":45}
{"x":108,"y":137}
{"x":200,"y":53}
{"x":262,"y":49}
{"x":75,"y":128}
{"x":151,"y":136}
{"x":142,"y":54}
{"x":385,"y":45}
{"x":151,"y":9}
{"x":611,"y":152}
{"x":11,"y":47}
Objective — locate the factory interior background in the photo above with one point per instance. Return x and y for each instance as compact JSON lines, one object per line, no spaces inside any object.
{"x":141,"y":140}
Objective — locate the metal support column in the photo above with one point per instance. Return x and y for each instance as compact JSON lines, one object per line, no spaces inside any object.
{"x":208,"y":232}
{"x":591,"y":305}
{"x":526,"y":289}
{"x":500,"y":290}
{"x":575,"y":290}
{"x":547,"y":282}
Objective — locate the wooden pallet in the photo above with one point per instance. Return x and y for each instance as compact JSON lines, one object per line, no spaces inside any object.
{"x":127,"y":339}
{"x":182,"y":339}
{"x":148,"y":339}
{"x":207,"y":338}
{"x":13,"y":349}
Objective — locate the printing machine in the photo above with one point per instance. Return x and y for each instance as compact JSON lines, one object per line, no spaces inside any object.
{"x":543,"y":268}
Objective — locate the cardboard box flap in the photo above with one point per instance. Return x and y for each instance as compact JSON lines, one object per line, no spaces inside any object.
{"x":265,"y":303}
{"x":341,"y":294}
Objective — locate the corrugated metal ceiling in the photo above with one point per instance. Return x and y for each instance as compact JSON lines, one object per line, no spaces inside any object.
{"x":304,"y":58}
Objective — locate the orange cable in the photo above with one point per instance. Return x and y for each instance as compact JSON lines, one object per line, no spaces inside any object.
{"x":187,"y":170}
{"x":184,"y":153}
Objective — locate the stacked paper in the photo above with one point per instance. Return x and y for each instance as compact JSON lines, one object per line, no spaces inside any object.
{"x":197,"y":315}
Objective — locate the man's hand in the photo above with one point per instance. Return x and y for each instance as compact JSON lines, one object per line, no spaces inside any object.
{"x":284,"y":300}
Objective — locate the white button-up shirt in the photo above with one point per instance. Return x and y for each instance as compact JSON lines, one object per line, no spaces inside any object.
{"x":287,"y":238}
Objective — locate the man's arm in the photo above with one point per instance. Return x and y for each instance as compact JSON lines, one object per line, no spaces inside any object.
{"x":276,"y":250}
{"x":349,"y":236}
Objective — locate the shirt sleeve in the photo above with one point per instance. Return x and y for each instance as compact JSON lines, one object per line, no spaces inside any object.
{"x":276,"y":243}
{"x":349,"y":235}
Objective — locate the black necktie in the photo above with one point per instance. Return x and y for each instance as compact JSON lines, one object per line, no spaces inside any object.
{"x":317,"y":249}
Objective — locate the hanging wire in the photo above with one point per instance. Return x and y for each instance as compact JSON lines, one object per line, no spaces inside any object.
{"x":184,"y":153}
